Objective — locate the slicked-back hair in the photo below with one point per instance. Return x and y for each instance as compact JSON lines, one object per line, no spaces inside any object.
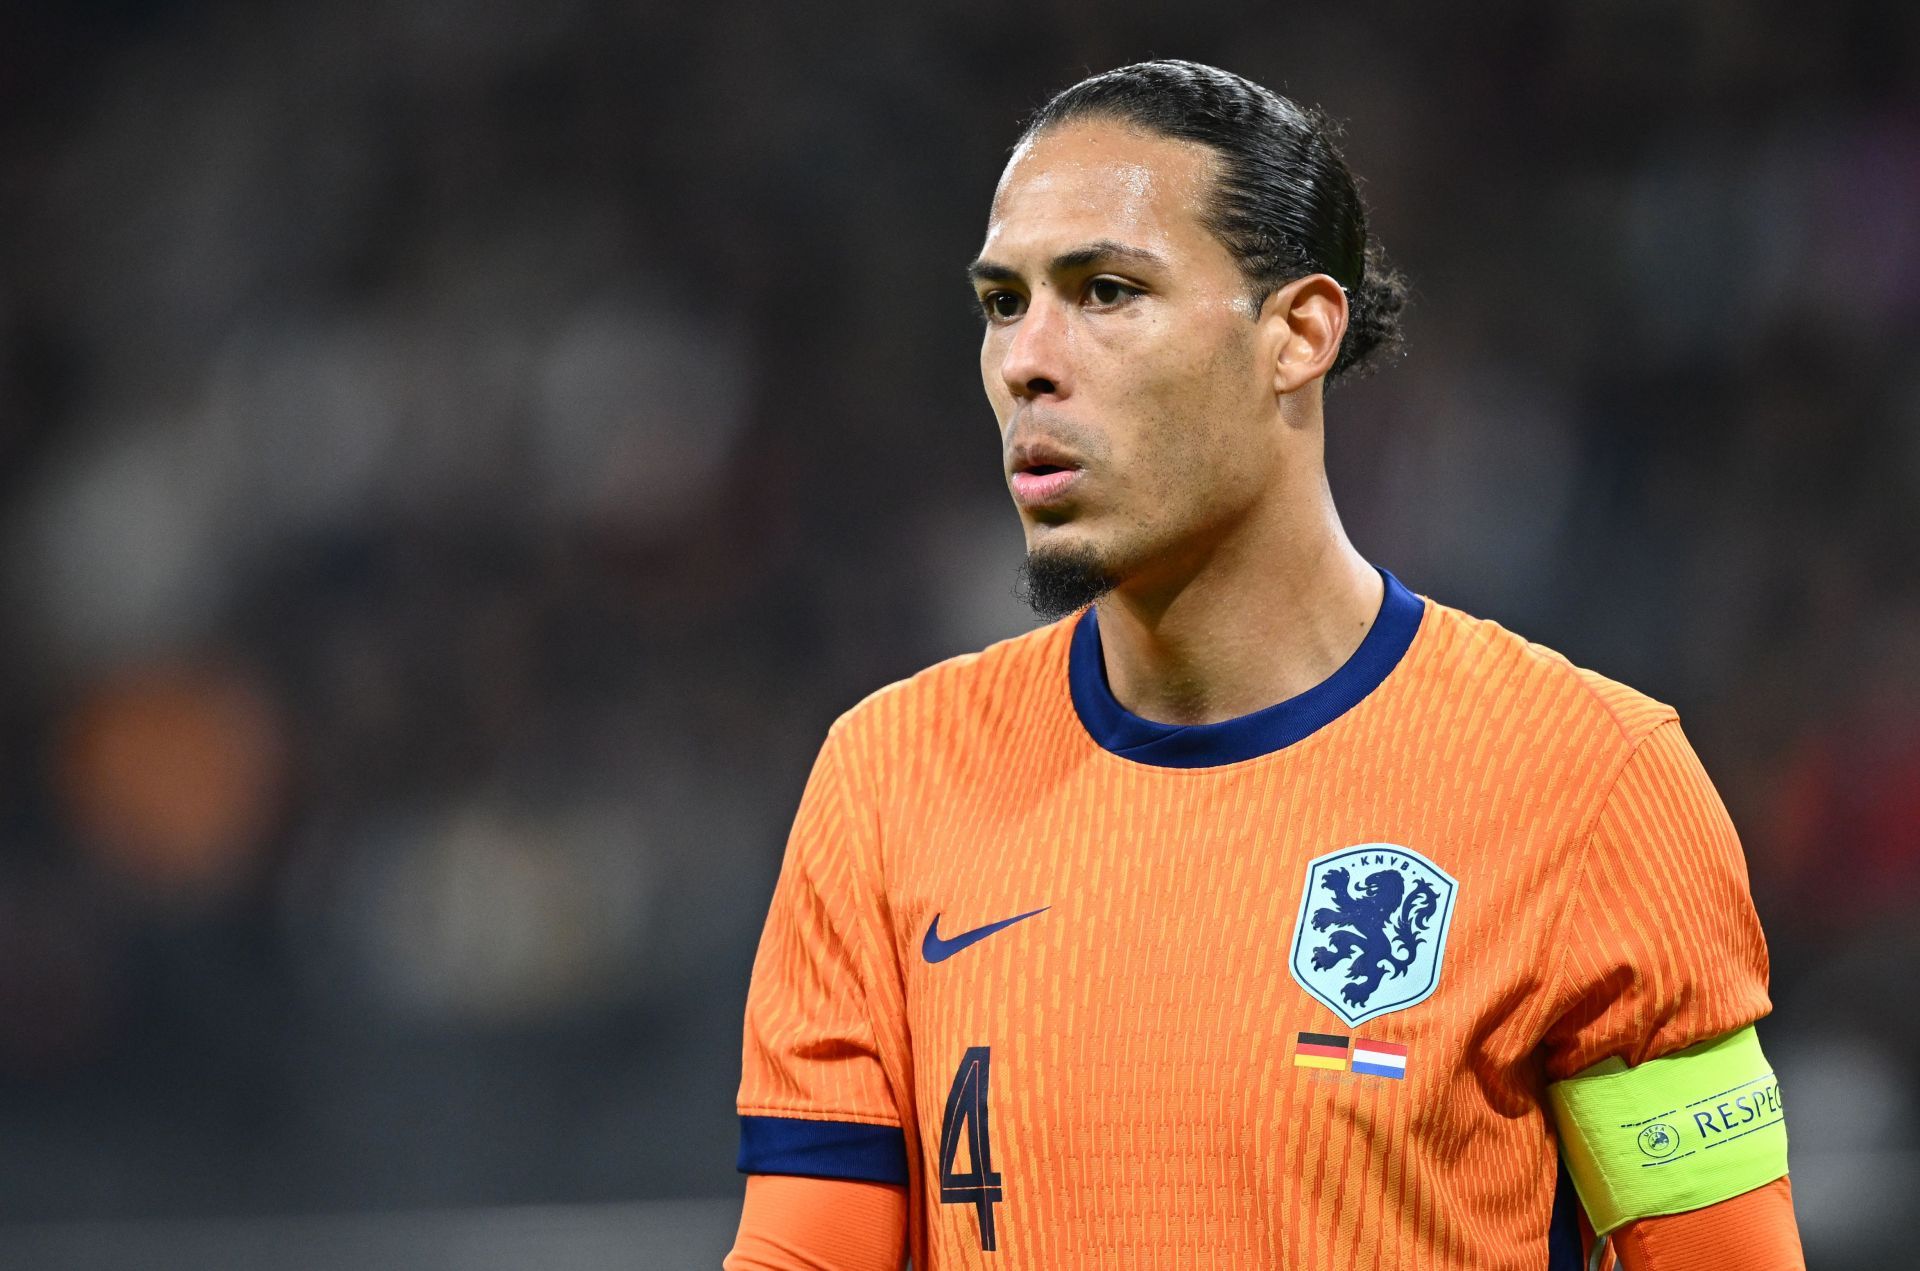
{"x":1283,"y":202}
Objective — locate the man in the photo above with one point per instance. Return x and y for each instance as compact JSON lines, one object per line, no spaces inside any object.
{"x":1263,"y":914}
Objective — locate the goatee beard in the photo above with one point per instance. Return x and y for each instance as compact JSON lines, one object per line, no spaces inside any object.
{"x":1056,"y":583}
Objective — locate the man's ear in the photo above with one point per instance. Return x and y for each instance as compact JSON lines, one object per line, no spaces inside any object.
{"x":1302,"y":323}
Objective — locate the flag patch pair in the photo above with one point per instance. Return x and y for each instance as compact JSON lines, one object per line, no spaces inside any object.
{"x":1328,"y":1050}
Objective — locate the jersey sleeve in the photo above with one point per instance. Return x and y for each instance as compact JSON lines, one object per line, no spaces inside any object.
{"x":1754,"y":1231}
{"x":1661,"y":946}
{"x":824,"y":1052}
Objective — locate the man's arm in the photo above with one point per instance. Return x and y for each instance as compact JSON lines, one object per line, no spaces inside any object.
{"x":823,"y":1116}
{"x":1669,"y":1116}
{"x":820,"y":1224}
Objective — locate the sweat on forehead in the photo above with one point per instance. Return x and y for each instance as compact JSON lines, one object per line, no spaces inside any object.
{"x":1107,"y":156}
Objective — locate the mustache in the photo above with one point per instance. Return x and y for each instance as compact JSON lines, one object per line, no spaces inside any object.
{"x":1032,"y":428}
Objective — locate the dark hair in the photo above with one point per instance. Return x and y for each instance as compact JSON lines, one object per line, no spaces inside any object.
{"x":1284,"y":203}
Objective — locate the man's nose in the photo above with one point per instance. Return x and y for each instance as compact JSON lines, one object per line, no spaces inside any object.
{"x":1036,"y":360}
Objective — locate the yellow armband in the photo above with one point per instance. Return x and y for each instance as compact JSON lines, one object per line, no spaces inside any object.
{"x":1677,"y":1133}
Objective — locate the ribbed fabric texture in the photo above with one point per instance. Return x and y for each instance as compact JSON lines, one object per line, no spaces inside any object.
{"x":818,"y":1224}
{"x":1753,"y":1232}
{"x":1146,"y":1110}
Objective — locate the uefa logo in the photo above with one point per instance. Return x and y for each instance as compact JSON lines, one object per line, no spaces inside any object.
{"x":1659,"y":1140}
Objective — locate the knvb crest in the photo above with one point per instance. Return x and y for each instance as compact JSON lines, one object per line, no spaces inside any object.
{"x":1372,"y":929}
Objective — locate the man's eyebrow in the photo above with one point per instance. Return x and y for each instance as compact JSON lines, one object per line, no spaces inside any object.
{"x":1094,"y":253}
{"x":1103,"y":250}
{"x":984,"y":270}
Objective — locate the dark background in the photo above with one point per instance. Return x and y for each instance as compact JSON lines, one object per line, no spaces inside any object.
{"x":456,"y":460}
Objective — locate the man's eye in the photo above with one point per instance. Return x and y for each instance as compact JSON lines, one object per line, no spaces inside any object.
{"x":1001,"y":304}
{"x":1109,"y":291}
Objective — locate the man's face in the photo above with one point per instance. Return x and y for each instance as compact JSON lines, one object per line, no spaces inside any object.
{"x":1119,"y":355}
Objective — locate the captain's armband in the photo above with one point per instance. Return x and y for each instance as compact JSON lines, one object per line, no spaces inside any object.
{"x":1677,"y":1133}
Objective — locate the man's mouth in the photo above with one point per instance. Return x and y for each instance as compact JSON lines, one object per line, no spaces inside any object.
{"x":1040,"y":469}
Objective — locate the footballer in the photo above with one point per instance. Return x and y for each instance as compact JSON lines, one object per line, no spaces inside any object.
{"x":1256,"y":912}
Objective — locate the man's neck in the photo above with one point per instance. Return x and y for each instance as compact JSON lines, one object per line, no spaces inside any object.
{"x":1256,"y":623}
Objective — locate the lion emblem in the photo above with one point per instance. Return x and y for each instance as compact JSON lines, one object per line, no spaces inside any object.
{"x":1377,"y":931}
{"x":1371,"y":930}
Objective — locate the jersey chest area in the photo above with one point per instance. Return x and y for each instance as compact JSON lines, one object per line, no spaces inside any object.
{"x":1213,"y":920}
{"x":1191,"y":1002}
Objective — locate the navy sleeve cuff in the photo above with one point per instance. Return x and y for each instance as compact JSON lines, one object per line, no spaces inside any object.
{"x":823,"y":1149}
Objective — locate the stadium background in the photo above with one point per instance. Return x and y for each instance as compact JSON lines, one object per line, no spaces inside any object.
{"x":455,"y":460}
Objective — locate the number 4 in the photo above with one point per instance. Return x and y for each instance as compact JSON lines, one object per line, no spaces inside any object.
{"x":967,"y":1111}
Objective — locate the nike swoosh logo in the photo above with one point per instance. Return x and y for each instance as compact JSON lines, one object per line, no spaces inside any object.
{"x":934,"y":949}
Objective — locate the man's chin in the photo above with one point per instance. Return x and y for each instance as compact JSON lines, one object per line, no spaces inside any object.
{"x":1057,"y":579}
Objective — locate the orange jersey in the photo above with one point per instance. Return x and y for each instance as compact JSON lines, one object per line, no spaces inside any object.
{"x":1284,"y":991}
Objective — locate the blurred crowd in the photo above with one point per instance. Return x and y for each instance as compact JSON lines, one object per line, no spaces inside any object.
{"x":455,"y":461}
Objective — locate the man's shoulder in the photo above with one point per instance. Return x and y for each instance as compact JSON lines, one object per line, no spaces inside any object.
{"x":1506,"y":674}
{"x":1004,"y":679}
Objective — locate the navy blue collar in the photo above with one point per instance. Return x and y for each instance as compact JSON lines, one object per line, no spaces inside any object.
{"x":1249,"y":736}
